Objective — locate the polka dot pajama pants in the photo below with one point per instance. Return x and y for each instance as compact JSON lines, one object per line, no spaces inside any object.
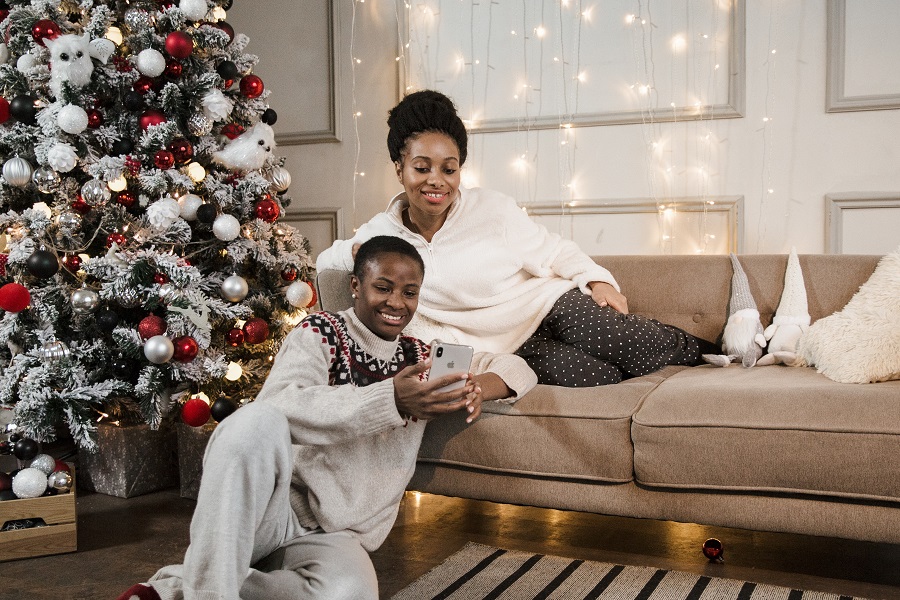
{"x":580,"y":344}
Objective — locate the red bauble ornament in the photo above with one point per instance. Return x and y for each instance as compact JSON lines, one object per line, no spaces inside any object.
{"x":80,"y":206}
{"x":234,"y":337}
{"x":315,"y":298}
{"x":232,"y":130}
{"x":256,"y":331}
{"x":195,"y":412}
{"x":267,"y":210}
{"x":164,"y":160}
{"x":142,"y":85}
{"x":289,"y":274}
{"x":179,"y":44}
{"x":4,"y":258}
{"x":72,"y":262}
{"x":252,"y":86}
{"x":4,"y":109}
{"x":182,"y":149}
{"x":228,"y":29}
{"x":14,"y":297}
{"x":95,"y":118}
{"x":151,"y":325}
{"x":160,"y":278}
{"x":227,"y":83}
{"x":174,"y":69}
{"x":44,"y":29}
{"x":62,"y":466}
{"x":150,"y":118}
{"x":115,"y":238}
{"x":186,"y":348}
{"x":126,"y":199}
{"x":714,"y":550}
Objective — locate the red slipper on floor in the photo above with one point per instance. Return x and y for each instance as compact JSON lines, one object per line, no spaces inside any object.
{"x":139,"y":592}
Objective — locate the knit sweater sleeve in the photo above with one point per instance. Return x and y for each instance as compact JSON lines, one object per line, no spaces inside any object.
{"x":512,"y":369}
{"x":320,"y":414}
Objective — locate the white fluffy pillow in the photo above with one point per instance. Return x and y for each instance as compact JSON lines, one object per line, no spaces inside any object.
{"x":861,"y":343}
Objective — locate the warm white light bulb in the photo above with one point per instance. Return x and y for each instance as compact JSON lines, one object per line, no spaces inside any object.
{"x":118,"y":184}
{"x":234,"y":372}
{"x":196,"y":172}
{"x":114,"y":34}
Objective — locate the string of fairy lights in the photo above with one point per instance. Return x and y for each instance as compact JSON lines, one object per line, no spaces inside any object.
{"x":473,"y":50}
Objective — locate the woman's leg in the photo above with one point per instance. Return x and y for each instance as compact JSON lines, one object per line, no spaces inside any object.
{"x":557,"y":363}
{"x":637,"y":345}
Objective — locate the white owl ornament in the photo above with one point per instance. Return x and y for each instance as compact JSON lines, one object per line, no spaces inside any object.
{"x":248,"y":151}
{"x":70,"y":60}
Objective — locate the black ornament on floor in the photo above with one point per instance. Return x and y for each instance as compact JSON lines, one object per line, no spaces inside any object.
{"x":26,"y":449}
{"x":714,"y":550}
{"x":221,"y":408}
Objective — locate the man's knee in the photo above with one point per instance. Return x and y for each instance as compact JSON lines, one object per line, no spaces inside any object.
{"x":250,"y":427}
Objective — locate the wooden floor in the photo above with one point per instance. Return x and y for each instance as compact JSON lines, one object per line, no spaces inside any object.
{"x":121,"y":542}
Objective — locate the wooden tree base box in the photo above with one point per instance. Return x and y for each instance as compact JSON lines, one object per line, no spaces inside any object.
{"x":59,"y":535}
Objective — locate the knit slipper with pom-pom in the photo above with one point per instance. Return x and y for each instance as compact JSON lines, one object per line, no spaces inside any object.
{"x":139,"y":592}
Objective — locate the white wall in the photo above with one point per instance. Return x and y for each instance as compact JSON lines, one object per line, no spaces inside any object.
{"x":803,"y":154}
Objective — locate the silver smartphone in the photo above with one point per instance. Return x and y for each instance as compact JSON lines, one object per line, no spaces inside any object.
{"x":448,"y":359}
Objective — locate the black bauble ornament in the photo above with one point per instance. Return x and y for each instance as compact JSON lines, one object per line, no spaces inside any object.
{"x":5,"y":448}
{"x":123,"y":368}
{"x":221,"y":408}
{"x":26,"y":449}
{"x":134,"y":101}
{"x":227,"y":70}
{"x":120,"y":147}
{"x":206,"y":213}
{"x":14,"y":437}
{"x":22,"y":109}
{"x":269,"y":116}
{"x":107,"y":319}
{"x":42,"y":263}
{"x":227,"y":4}
{"x":7,"y":495}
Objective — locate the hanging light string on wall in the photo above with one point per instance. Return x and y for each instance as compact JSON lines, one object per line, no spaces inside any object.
{"x":354,"y":61}
{"x":767,"y":190}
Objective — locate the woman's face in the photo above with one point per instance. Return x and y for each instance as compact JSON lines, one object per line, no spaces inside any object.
{"x":429,"y":172}
{"x":387,"y":294}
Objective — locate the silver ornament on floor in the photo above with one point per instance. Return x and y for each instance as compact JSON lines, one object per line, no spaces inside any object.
{"x":43,"y":462}
{"x":159,"y":349}
{"x":46,"y":179}
{"x":17,"y":171}
{"x":60,"y":481}
{"x":280,"y":178}
{"x":54,"y":351}
{"x":235,"y":288}
{"x":85,"y":300}
{"x":69,"y":220}
{"x":95,"y":192}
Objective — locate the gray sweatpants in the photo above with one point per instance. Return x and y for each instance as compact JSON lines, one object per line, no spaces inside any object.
{"x":244,"y":517}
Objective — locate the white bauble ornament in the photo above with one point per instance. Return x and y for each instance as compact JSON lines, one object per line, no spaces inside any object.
{"x":226,"y":228}
{"x":62,"y":157}
{"x":102,"y":49}
{"x":46,"y":179}
{"x":151,"y":62}
{"x":95,"y":192}
{"x":29,"y":483}
{"x":159,"y":349}
{"x":235,"y":288}
{"x":72,"y":119}
{"x":194,"y":10}
{"x":163,"y":213}
{"x":4,"y":54}
{"x":248,"y":151}
{"x":26,"y":61}
{"x":44,"y":463}
{"x":216,"y":105}
{"x":189,"y":204}
{"x":60,"y":481}
{"x":17,"y":171}
{"x":85,"y":300}
{"x":280,"y":178}
{"x":299,"y":294}
{"x":70,"y":61}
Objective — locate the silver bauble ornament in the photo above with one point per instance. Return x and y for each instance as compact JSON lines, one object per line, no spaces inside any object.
{"x":17,"y":171}
{"x":95,"y":192}
{"x":280,"y":178}
{"x":85,"y":300}
{"x":60,"y":481}
{"x":235,"y":288}
{"x":199,"y":124}
{"x":44,"y":463}
{"x":68,"y":220}
{"x":226,"y":228}
{"x":54,"y":351}
{"x":159,"y":349}
{"x":29,"y":483}
{"x":168,"y":292}
{"x":137,"y":19}
{"x":46,"y":179}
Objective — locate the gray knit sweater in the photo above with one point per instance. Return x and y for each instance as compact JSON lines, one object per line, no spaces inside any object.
{"x":353,"y":452}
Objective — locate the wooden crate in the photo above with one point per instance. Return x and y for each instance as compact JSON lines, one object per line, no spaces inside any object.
{"x":59,"y":536}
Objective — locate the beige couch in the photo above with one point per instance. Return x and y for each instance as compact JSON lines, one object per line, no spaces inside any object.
{"x":768,"y":448}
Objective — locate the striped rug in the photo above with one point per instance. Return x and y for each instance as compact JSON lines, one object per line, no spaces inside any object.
{"x":479,"y":572}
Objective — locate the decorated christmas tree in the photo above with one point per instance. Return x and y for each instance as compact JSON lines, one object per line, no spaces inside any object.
{"x":144,"y":273}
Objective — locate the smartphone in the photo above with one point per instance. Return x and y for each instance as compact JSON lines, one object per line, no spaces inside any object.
{"x":447,"y":359}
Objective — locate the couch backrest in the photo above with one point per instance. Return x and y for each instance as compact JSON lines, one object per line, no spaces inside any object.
{"x":692,"y":292}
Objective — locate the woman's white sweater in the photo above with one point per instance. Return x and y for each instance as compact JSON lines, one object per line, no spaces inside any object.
{"x":491,"y":273}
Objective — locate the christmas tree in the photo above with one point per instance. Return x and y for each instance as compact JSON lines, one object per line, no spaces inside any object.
{"x":142,"y":263}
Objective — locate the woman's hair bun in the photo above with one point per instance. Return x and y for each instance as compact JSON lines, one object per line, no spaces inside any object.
{"x":420,"y":112}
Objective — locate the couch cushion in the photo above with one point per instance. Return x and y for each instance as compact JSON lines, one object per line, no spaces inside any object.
{"x":575,"y":433}
{"x":770,"y":428}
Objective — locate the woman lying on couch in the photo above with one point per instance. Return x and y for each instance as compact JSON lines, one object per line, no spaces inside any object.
{"x":498,"y":281}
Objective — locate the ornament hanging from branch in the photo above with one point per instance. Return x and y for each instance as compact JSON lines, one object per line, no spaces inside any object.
{"x":248,"y":151}
{"x":70,"y":61}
